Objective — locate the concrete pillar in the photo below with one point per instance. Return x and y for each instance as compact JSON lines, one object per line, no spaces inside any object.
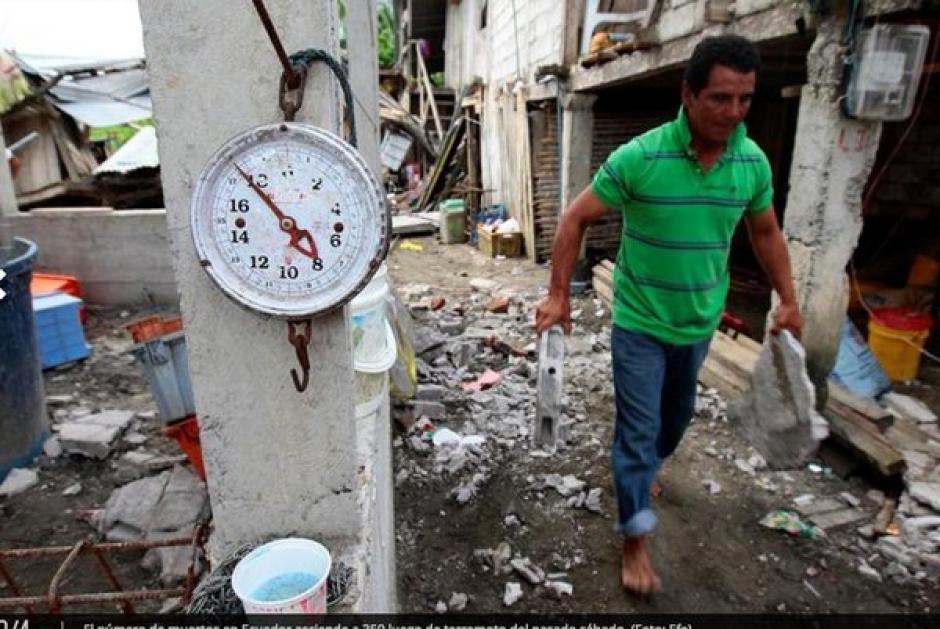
{"x":8,"y":207}
{"x":832,"y":160}
{"x":279,"y":462}
{"x":576,"y":140}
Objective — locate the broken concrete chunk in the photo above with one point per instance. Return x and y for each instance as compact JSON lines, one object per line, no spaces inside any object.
{"x":135,"y":438}
{"x":72,"y":490}
{"x":91,"y":440}
{"x":441,"y":607}
{"x":849,"y":499}
{"x":865,"y":570}
{"x":59,"y":400}
{"x":52,"y":447}
{"x":171,"y":501}
{"x":498,"y":305}
{"x":910,"y":407}
{"x":458,"y":601}
{"x":528,"y":570}
{"x":17,"y":481}
{"x":559,"y":589}
{"x":512,"y":594}
{"x":92,"y":435}
{"x":926,"y":493}
{"x":779,"y":415}
{"x":745,"y":467}
{"x":593,"y":501}
{"x":483,"y":285}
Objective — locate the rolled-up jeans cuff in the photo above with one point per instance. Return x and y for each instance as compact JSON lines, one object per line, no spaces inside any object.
{"x":642,"y":523}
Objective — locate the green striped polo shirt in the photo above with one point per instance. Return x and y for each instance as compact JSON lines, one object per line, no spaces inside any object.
{"x":671,"y":277}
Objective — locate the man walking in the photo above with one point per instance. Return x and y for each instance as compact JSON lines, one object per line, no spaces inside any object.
{"x":681,"y":188}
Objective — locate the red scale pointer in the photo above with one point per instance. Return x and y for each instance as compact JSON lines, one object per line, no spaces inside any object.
{"x":287,"y":223}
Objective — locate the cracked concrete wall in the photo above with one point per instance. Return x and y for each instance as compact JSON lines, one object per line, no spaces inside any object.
{"x":832,"y":160}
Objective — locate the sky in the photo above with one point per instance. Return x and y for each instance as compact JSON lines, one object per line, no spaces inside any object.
{"x":73,"y":28}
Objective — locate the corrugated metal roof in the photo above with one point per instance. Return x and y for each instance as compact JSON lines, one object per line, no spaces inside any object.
{"x":106,"y":113}
{"x":123,"y":84}
{"x":50,"y":65}
{"x":138,"y":152}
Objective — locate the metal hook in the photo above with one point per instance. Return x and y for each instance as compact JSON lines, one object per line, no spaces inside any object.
{"x":291,"y":99}
{"x":300,"y":340}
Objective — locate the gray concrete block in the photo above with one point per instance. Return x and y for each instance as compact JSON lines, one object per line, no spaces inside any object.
{"x":88,"y":439}
{"x":430,"y":392}
{"x":431,"y":410}
{"x":549,"y":388}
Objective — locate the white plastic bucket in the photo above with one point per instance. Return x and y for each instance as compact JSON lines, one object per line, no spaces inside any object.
{"x":371,"y":389}
{"x":286,"y":576}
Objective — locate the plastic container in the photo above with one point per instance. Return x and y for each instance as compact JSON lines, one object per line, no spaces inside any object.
{"x":145,"y":329}
{"x":374,"y":344}
{"x":23,"y":421}
{"x":276,"y":566}
{"x":167,"y":366}
{"x":59,"y":330}
{"x":453,"y":221}
{"x":896,"y":337}
{"x":925,"y":272}
{"x":45,"y":283}
{"x":186,"y":434}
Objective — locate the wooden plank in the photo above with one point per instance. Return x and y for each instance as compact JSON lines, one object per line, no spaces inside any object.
{"x":716,"y":376}
{"x":863,"y":437}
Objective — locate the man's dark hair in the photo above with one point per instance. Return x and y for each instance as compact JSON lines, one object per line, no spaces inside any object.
{"x":732,"y":51}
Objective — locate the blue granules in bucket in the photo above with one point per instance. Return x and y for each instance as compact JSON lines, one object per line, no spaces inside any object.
{"x":284,"y":586}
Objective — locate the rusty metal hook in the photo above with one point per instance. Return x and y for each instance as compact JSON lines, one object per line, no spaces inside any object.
{"x":300,"y":340}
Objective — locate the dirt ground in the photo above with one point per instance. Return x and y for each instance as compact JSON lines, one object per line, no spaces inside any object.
{"x":711,"y":552}
{"x":709,"y":549}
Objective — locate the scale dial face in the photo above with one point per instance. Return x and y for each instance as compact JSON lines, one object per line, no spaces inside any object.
{"x":288,"y":220}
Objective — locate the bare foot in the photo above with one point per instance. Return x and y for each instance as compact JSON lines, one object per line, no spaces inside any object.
{"x":656,"y":489}
{"x":636,"y":571}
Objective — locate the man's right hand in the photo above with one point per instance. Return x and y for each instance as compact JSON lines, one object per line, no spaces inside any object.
{"x":554,"y":309}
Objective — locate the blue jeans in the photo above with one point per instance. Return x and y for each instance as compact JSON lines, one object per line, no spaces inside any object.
{"x":654,"y":385}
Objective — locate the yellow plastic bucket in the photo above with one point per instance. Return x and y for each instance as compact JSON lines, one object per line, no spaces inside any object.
{"x":896,"y":337}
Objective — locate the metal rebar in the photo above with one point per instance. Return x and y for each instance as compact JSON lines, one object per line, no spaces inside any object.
{"x":126,"y":606}
{"x":53,"y":595}
{"x":13,"y":586}
{"x":101,"y":597}
{"x":17,"y":553}
{"x":293,"y":81}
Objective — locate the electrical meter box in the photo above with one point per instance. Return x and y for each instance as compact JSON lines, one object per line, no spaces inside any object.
{"x":887,"y":71}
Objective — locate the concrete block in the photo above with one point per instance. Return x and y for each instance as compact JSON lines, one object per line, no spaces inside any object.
{"x":88,"y":439}
{"x":835,"y":519}
{"x":549,"y":388}
{"x":17,"y":481}
{"x":431,"y":410}
{"x":116,"y":419}
{"x":430,"y":392}
{"x":779,"y":415}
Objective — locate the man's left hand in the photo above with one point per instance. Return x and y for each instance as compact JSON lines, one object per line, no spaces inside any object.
{"x":787,"y":317}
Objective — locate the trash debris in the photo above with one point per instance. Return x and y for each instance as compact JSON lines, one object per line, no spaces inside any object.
{"x":790,"y":522}
{"x":487,"y":380}
{"x":409,"y":245}
{"x":17,"y":481}
{"x":528,"y":570}
{"x":441,"y":607}
{"x":512,"y":594}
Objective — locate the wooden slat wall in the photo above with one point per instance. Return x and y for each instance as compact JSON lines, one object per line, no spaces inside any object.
{"x":546,"y":185}
{"x":611,"y":129}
